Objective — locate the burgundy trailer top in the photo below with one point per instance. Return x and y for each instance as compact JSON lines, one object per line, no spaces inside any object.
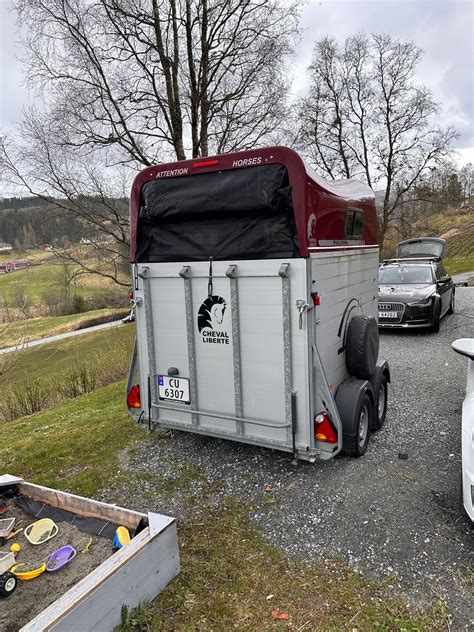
{"x":322,"y":210}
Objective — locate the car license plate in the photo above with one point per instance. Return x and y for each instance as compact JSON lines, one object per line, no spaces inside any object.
{"x":175,"y":389}
{"x":388,"y":314}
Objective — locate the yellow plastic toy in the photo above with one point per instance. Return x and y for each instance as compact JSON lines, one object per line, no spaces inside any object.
{"x":26,"y":575}
{"x":41,"y":531}
{"x":121,"y":538}
{"x":15,"y":548}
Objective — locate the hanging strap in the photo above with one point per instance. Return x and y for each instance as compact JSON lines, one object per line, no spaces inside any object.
{"x":209,"y":285}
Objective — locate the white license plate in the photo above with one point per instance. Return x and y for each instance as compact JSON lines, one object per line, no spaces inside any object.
{"x":173,"y":388}
{"x":388,"y":314}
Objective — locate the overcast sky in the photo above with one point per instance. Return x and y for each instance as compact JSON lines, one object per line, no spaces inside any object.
{"x":444,"y":29}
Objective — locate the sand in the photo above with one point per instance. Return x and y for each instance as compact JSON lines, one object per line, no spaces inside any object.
{"x":31,"y":597}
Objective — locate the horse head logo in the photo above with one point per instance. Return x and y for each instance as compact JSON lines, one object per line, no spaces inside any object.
{"x":211,"y":312}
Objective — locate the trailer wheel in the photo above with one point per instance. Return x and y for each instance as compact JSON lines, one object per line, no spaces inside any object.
{"x":8,"y":584}
{"x":357,"y":445}
{"x":362,"y":346}
{"x":381,"y":404}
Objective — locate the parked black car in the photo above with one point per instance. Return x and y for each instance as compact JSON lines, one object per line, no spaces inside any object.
{"x":415,"y":289}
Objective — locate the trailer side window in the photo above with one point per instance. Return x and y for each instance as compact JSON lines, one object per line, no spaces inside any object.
{"x":354,"y":223}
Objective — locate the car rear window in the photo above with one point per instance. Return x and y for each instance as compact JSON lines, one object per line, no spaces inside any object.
{"x":401,"y":275}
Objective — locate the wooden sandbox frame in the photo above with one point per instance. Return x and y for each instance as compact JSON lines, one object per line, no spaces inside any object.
{"x":136,"y":573}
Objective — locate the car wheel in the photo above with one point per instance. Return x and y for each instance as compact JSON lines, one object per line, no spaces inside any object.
{"x":451,"y":305}
{"x":357,"y":446}
{"x":436,"y":318}
{"x":8,"y":583}
{"x":381,"y":406}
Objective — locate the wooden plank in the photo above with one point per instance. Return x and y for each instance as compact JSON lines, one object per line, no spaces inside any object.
{"x":8,"y":479}
{"x":82,"y":506}
{"x":135,"y":573}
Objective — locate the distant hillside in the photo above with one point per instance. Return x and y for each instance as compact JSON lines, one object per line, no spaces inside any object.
{"x":456,"y":226}
{"x":28,"y":222}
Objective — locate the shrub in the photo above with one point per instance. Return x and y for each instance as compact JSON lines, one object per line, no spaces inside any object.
{"x":62,"y":303}
{"x":107,"y":299}
{"x":78,"y":380}
{"x":29,"y":398}
{"x":57,"y":303}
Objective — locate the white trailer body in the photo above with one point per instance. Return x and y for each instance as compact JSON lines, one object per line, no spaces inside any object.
{"x":254,"y":350}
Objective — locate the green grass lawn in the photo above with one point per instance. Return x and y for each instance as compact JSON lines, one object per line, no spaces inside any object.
{"x":37,"y":280}
{"x":55,"y":358}
{"x":72,"y":446}
{"x":21,"y":331}
{"x":230,"y":577}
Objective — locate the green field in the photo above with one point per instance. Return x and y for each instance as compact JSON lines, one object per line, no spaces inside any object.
{"x":38,"y":280}
{"x":55,"y":358}
{"x":21,"y":331}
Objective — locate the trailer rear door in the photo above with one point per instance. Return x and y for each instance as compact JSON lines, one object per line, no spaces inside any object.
{"x":228,"y":336}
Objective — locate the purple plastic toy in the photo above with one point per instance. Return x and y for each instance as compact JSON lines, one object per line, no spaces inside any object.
{"x":57,"y":560}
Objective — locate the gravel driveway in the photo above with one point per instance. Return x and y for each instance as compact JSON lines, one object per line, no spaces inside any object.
{"x":388,"y":517}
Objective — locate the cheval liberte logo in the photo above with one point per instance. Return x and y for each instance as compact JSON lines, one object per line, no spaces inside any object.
{"x":210,"y":319}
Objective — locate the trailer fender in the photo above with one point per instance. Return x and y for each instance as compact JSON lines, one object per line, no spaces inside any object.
{"x":381,"y":370}
{"x":348,"y":398}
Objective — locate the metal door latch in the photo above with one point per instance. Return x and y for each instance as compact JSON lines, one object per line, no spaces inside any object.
{"x":301,"y":306}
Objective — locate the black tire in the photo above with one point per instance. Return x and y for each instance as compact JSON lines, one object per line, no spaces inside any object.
{"x":380,"y":411}
{"x":436,"y":318}
{"x":362,"y":346}
{"x":357,"y":446}
{"x":8,"y":584}
{"x":451,"y":305}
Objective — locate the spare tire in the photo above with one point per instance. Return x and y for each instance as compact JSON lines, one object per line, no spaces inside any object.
{"x":362,"y":346}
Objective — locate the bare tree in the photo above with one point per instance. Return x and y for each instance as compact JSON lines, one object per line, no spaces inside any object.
{"x":366,"y":117}
{"x":130,"y":83}
{"x":159,"y":78}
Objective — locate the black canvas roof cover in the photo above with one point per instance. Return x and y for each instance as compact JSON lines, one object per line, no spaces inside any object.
{"x":234,"y":214}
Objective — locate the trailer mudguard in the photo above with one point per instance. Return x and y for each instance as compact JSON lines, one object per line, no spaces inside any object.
{"x":348,"y":398}
{"x":381,"y":369}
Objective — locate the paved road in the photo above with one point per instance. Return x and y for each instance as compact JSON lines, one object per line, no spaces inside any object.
{"x":386,"y":516}
{"x":69,"y":334}
{"x":463,"y":277}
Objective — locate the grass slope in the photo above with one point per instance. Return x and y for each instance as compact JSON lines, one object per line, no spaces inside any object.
{"x":458,"y":230}
{"x":37,"y":280}
{"x":72,"y":446}
{"x":22,"y":331}
{"x":48,"y":360}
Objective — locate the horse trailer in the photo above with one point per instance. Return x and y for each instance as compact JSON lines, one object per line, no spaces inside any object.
{"x":255,"y":295}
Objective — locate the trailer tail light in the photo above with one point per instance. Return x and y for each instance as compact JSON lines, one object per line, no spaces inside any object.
{"x":205,"y":163}
{"x":324,"y":429}
{"x":133,"y":397}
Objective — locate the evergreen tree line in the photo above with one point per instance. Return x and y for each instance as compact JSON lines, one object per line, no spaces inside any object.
{"x":21,"y":202}
{"x":29,"y":227}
